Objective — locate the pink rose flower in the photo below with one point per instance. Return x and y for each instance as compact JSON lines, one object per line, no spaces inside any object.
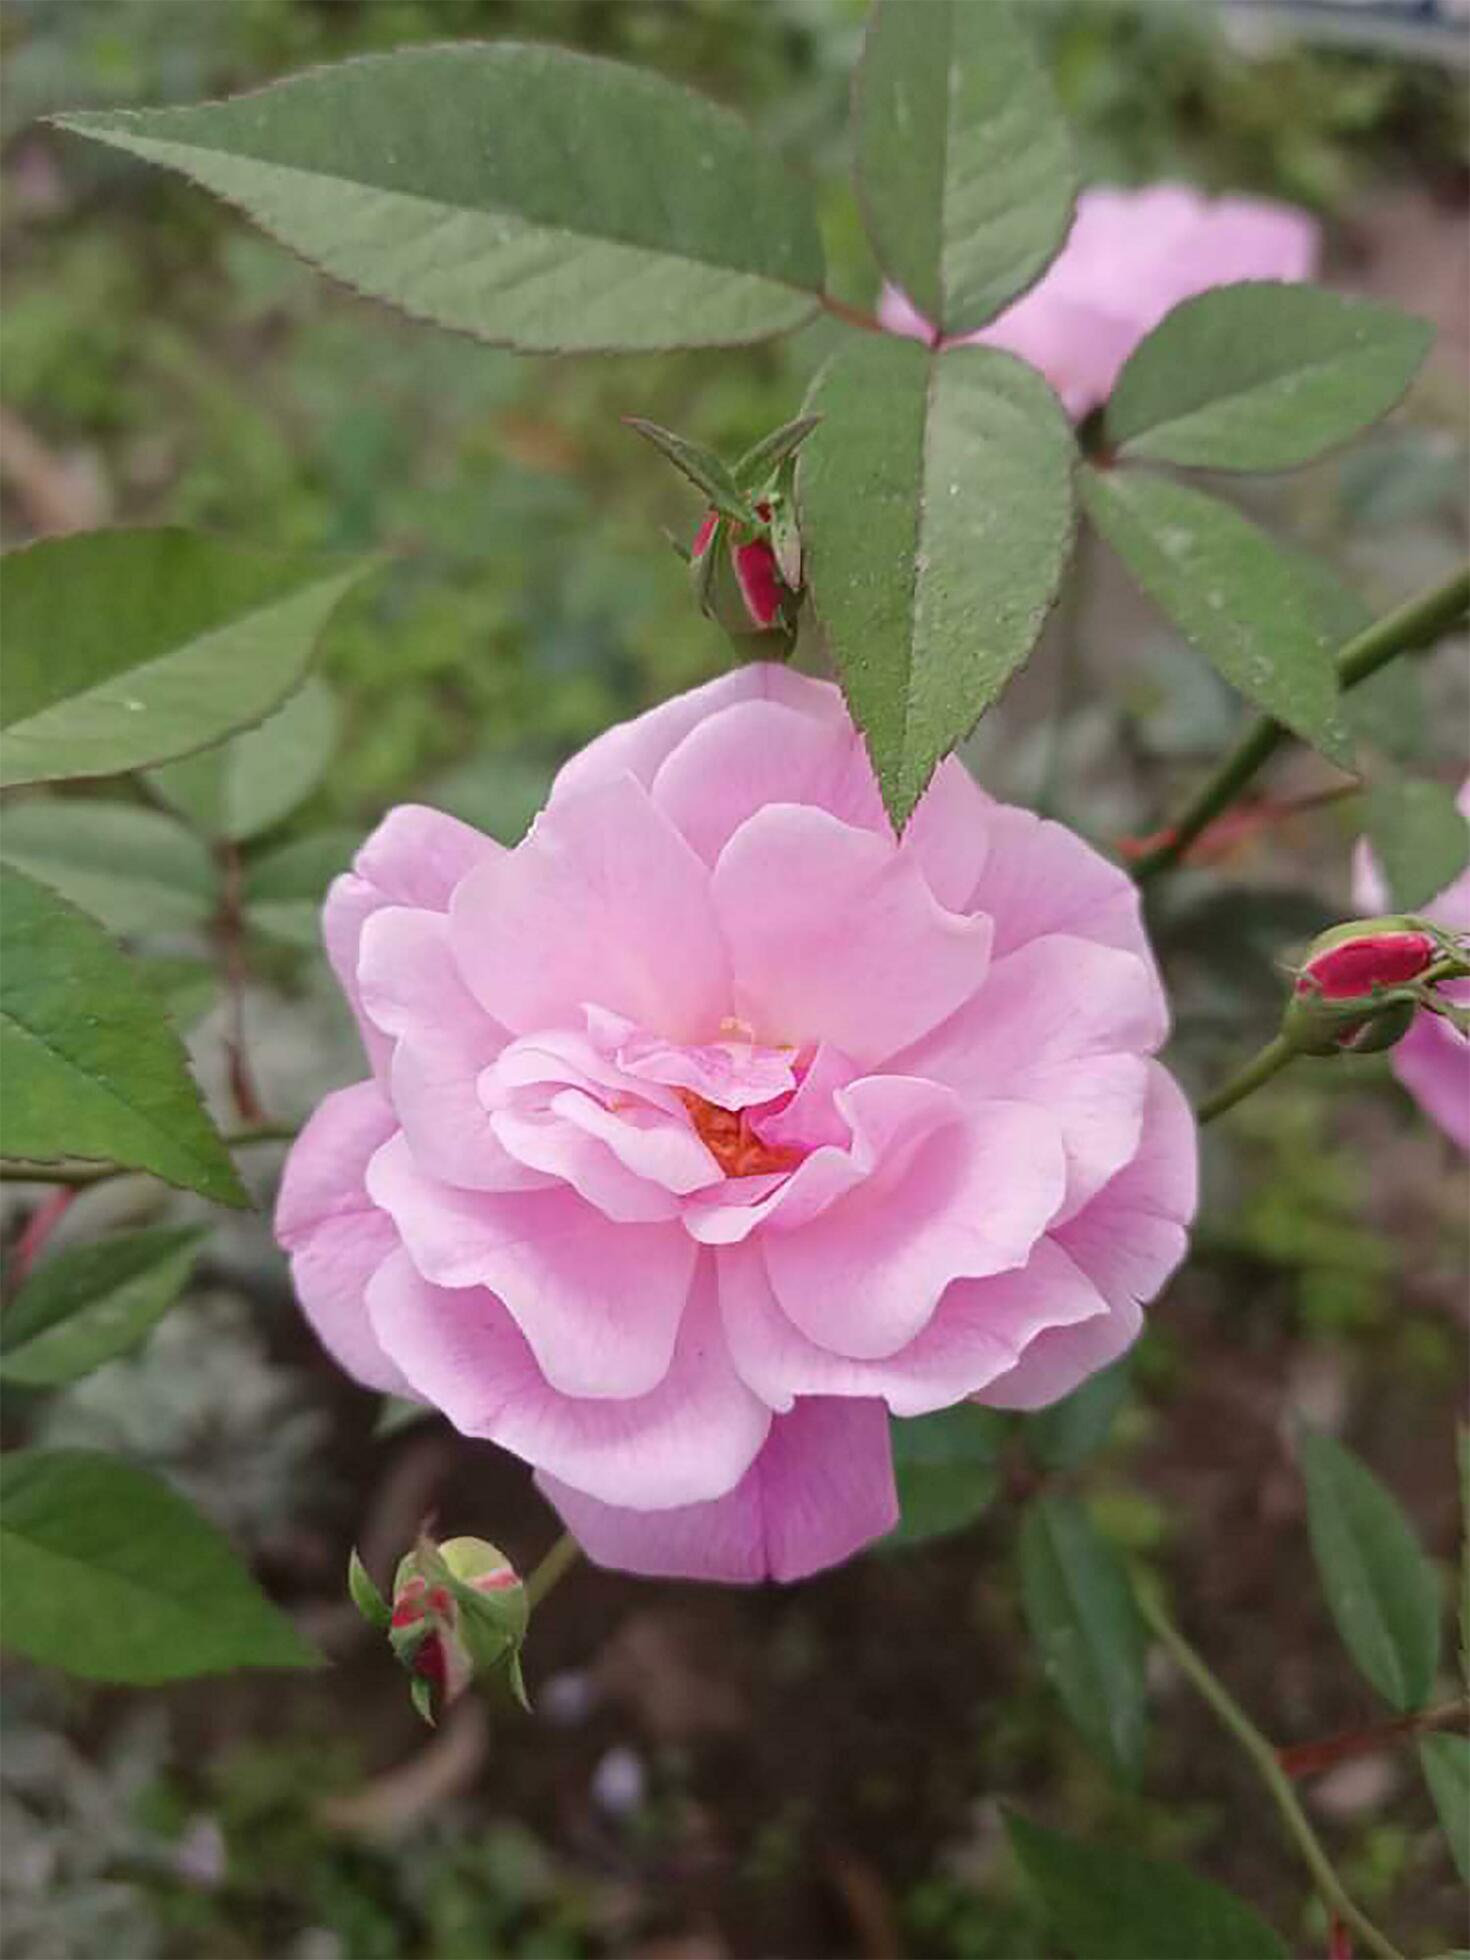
{"x":711,"y":1124}
{"x":1130,"y":258}
{"x":1433,"y":1059}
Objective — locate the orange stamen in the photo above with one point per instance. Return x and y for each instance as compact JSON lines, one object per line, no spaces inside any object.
{"x":735,"y":1147}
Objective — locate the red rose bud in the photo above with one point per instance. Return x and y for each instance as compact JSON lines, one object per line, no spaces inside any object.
{"x":738,"y":577}
{"x":1354,"y":961}
{"x":1358,"y":987}
{"x":459,"y":1610}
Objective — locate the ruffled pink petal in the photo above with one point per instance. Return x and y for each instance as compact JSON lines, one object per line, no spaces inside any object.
{"x":734,"y":1073}
{"x":660,"y":1150}
{"x":688,"y":1440}
{"x":411,"y":992}
{"x":834,"y":936}
{"x":639,"y":746}
{"x":1063,"y":1023}
{"x":971,"y":1200}
{"x":336,"y":1236}
{"x":603,"y":903}
{"x":1039,"y":877}
{"x":761,"y":751}
{"x":979,"y":1331}
{"x":598,"y":1302}
{"x":416,"y":856}
{"x":554,"y":1141}
{"x":820,"y":1490}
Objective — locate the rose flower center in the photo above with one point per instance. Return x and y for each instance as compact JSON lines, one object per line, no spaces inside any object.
{"x":734,"y":1145}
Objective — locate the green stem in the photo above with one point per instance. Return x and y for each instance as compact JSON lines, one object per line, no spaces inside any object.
{"x":1270,"y":1061}
{"x":1263,"y":1757}
{"x":1408,"y":626}
{"x":29,"y":1170}
{"x":553,"y":1568}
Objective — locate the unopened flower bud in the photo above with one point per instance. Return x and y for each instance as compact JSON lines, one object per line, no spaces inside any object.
{"x":738,"y":576}
{"x":459,"y":1610}
{"x":1357,"y":987}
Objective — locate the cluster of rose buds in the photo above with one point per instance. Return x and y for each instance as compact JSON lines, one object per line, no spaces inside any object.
{"x":1361,"y":984}
{"x":745,"y":560}
{"x":459,"y":1613}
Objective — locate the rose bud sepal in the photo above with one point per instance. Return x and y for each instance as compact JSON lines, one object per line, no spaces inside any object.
{"x":460,"y":1612}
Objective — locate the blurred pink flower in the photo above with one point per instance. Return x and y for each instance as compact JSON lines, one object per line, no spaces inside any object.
{"x":1433,"y":1059}
{"x":711,"y":1124}
{"x":1130,"y":258}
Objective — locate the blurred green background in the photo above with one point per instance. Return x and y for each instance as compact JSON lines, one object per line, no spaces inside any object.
{"x":707,"y":1775}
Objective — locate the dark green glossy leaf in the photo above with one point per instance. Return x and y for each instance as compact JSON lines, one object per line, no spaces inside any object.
{"x":1106,"y":1902}
{"x":125,"y":648}
{"x":91,"y":1067}
{"x":964,"y":169}
{"x":1262,"y":376}
{"x":107,"y":1573}
{"x":523,"y":194}
{"x":90,"y":1303}
{"x":947,"y":1468}
{"x":1253,"y":608}
{"x":936,"y":511}
{"x":1446,"y":1764}
{"x":1382,"y":1590}
{"x":241,"y":787}
{"x":1419,"y":837}
{"x":1086,"y":1626}
{"x":134,"y":870}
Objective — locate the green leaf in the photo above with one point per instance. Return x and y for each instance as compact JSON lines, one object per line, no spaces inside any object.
{"x":1083,"y":1619}
{"x":109,"y":1574}
{"x":700,"y":465}
{"x":947,"y":1468}
{"x":284,"y":889}
{"x":1420,"y":838}
{"x":530,"y":196}
{"x":243,"y":786}
{"x":188,"y":988}
{"x":1262,"y":376}
{"x":1446,"y":1763}
{"x":91,"y":1067}
{"x":936,"y":510}
{"x":1069,"y":1431}
{"x":134,"y":870}
{"x":964,"y":170}
{"x":365,"y":1595}
{"x":125,"y":648}
{"x":765,"y":457}
{"x":91,"y":1303}
{"x":1253,"y":608}
{"x":1106,"y":1902}
{"x":1381,"y":1589}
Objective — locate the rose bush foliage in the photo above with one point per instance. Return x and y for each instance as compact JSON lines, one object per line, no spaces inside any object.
{"x":712,"y":1124}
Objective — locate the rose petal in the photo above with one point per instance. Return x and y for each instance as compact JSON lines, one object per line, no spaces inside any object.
{"x":603,"y":903}
{"x":820,"y":1490}
{"x":689,"y":1439}
{"x":835,"y":936}
{"x":599,"y":1302}
{"x":335,"y":1234}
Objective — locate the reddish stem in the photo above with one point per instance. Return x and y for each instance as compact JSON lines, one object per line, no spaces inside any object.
{"x":1235,"y":826}
{"x":42,"y":1222}
{"x":853,"y":316}
{"x":1311,"y":1758}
